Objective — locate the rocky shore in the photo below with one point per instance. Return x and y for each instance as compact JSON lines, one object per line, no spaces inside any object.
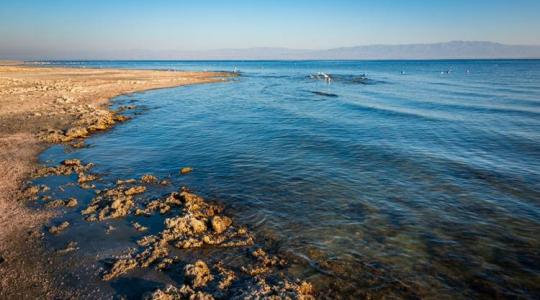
{"x":43,"y":105}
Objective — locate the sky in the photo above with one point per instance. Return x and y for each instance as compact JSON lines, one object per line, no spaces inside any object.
{"x":70,"y":27}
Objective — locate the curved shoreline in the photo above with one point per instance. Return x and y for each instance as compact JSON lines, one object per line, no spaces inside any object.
{"x":34,"y":99}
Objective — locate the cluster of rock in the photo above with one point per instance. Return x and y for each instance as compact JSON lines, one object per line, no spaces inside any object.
{"x":113,"y":203}
{"x":198,"y":277}
{"x":202,"y":224}
{"x":89,"y":120}
{"x":199,"y":223}
{"x":68,"y":167}
{"x":195,"y":223}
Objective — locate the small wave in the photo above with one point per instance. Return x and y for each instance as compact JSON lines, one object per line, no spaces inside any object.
{"x":405,"y":113}
{"x":345,"y":78}
{"x":324,"y":94}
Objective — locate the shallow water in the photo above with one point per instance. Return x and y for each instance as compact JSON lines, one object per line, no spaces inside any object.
{"x":427,"y":181}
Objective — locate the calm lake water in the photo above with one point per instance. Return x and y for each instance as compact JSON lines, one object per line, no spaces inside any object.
{"x":422,"y":180}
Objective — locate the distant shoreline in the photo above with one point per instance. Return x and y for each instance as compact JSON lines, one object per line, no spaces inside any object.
{"x":60,"y":62}
{"x":454,"y":50}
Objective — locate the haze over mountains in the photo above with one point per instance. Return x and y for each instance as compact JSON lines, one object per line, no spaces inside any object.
{"x":448,"y":50}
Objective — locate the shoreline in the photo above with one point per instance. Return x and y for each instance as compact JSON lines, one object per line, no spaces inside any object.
{"x":38,"y":99}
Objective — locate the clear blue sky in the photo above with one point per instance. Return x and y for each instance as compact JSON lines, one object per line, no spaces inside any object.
{"x":40,"y":26}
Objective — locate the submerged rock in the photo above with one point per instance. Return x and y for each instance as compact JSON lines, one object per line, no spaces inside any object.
{"x":59,"y":228}
{"x":227,"y":276}
{"x":174,"y":293}
{"x":139,"y":227}
{"x":71,"y":202}
{"x":112,"y":203}
{"x":79,"y":144}
{"x":71,"y":162}
{"x":66,"y":167}
{"x":127,"y":181}
{"x":198,"y":273}
{"x":83,"y":178}
{"x":198,"y":223}
{"x":32,"y":192}
{"x":135,"y":190}
{"x":220,"y":224}
{"x":121,"y":266}
{"x":186,"y":170}
{"x":70,"y":247}
{"x":149,"y":178}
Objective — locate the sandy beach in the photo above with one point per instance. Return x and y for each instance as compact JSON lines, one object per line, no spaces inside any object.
{"x":39,"y":105}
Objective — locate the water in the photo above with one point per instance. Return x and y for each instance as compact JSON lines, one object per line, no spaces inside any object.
{"x":422,"y":184}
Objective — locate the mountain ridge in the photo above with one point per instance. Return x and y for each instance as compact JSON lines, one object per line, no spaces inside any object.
{"x":444,"y":50}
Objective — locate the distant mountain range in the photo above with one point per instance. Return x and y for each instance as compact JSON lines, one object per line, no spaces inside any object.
{"x":449,"y":50}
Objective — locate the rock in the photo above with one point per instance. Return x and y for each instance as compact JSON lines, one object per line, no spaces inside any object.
{"x":56,"y":203}
{"x":220,"y":224}
{"x":79,"y":144}
{"x":198,"y":273}
{"x":89,"y":210}
{"x":149,"y":178}
{"x":71,"y":202}
{"x":87,"y":186}
{"x":165,"y":263}
{"x":127,"y":181}
{"x":112,"y":203}
{"x":197,"y":225}
{"x":71,"y":246}
{"x":135,"y":190}
{"x":53,"y":136}
{"x":121,"y":266}
{"x":227,"y":276}
{"x":71,"y":162}
{"x":59,"y":228}
{"x":186,"y":170}
{"x":31,"y":192}
{"x":305,"y":289}
{"x":67,"y":167}
{"x":83,"y":178}
{"x":121,"y":118}
{"x":139,"y":227}
{"x":174,"y":293}
{"x":76,"y":132}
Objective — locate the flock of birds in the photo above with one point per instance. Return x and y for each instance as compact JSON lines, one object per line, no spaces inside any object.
{"x":328,"y":78}
{"x":321,"y":76}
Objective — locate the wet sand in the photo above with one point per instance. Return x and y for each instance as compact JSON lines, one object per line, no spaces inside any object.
{"x":39,"y":105}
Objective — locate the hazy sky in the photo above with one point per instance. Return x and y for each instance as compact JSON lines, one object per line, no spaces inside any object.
{"x":41,"y":27}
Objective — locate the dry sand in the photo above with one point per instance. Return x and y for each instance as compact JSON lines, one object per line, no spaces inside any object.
{"x":33,"y":99}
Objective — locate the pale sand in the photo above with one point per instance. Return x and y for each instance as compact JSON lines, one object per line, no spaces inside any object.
{"x":38,"y":98}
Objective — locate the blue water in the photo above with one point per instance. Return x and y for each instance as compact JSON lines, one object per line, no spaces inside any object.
{"x":426,"y":174}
